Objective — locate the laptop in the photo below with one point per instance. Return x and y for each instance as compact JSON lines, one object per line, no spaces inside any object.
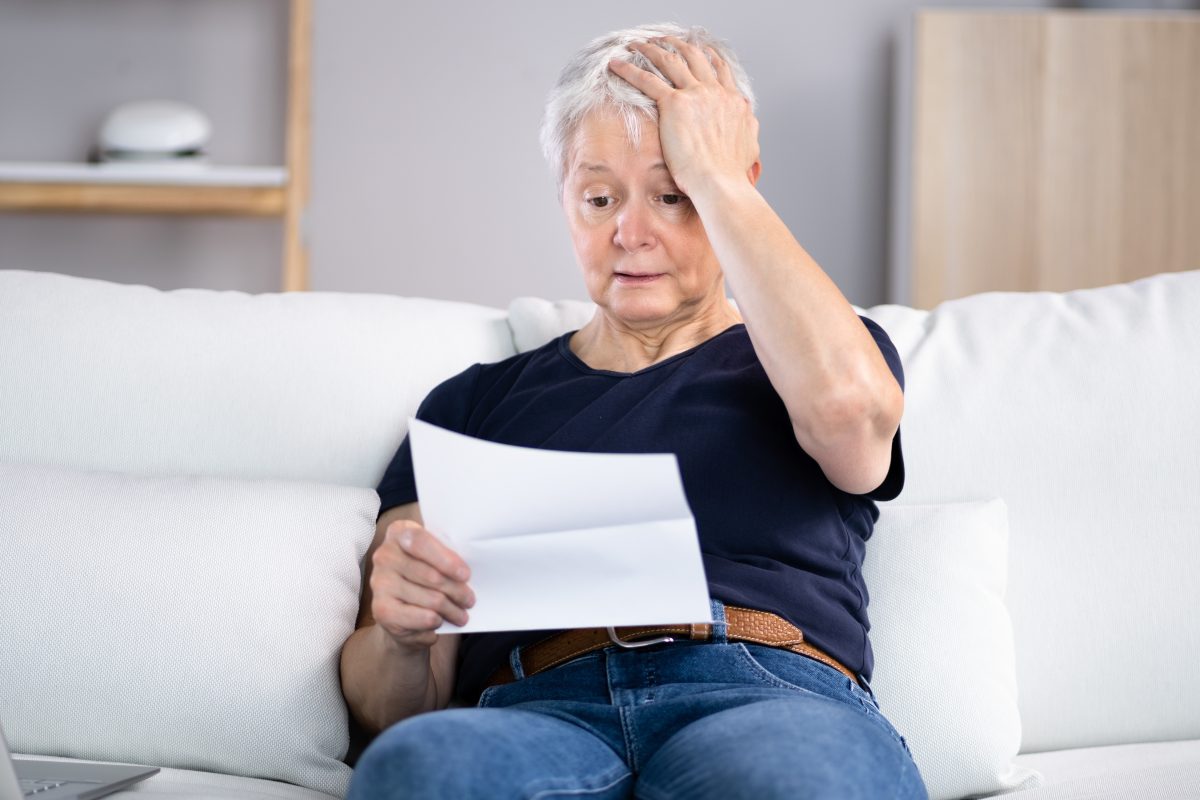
{"x":63,"y":780}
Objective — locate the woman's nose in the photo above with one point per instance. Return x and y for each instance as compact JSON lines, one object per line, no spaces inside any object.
{"x":635,"y":227}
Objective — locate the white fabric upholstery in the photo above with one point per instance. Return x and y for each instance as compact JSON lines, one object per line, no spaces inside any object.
{"x":176,"y":783}
{"x":536,"y":321}
{"x":936,"y":573}
{"x":305,"y":386}
{"x":1079,"y":409}
{"x":1149,"y":771}
{"x":183,"y":622}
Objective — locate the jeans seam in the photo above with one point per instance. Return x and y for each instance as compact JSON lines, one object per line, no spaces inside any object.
{"x":875,"y":715}
{"x":630,"y":739}
{"x":907,"y":765}
{"x":552,"y":792}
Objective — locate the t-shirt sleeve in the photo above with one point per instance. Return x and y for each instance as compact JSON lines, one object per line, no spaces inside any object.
{"x":894,"y":482}
{"x":447,"y":406}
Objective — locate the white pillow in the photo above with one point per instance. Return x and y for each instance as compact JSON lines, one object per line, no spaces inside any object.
{"x":535,"y":321}
{"x":945,"y":672}
{"x":305,"y":386}
{"x":180,"y":622}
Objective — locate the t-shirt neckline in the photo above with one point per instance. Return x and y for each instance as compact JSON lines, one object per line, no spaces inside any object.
{"x":564,"y":349}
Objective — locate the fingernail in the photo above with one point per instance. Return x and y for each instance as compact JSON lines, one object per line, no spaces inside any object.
{"x":461,"y":573}
{"x":406,"y":540}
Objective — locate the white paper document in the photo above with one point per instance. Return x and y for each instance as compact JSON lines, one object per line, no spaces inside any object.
{"x":561,"y":540}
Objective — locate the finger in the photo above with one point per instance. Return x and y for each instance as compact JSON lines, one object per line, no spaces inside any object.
{"x":390,"y":560}
{"x":399,"y":618}
{"x":697,"y":62}
{"x":391,"y":588}
{"x":420,"y":543}
{"x":422,"y":574}
{"x":645,"y":82}
{"x":415,"y":595}
{"x":722,"y":70}
{"x":672,"y":65}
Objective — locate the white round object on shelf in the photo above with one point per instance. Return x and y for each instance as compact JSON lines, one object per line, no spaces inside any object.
{"x":154,"y":128}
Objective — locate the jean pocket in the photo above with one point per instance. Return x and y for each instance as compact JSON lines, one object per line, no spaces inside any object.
{"x":788,"y":670}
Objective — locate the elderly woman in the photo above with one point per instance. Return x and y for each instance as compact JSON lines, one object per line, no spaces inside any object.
{"x":784,"y":414}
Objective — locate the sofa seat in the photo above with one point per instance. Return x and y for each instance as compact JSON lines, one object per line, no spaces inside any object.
{"x":195,"y":785}
{"x":1154,"y":771}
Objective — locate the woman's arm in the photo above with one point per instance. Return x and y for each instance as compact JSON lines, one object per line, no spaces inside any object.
{"x":399,"y":667}
{"x":843,"y":401}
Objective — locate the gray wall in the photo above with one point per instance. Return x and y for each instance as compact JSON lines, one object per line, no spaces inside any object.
{"x":427,"y":178}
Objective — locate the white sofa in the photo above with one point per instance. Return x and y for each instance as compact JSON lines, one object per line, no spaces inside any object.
{"x":185,"y":496}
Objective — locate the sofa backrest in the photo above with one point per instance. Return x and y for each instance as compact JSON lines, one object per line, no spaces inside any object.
{"x":1082,"y":411}
{"x":313,"y":386}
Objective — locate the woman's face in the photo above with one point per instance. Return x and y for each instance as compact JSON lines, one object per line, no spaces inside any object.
{"x":641,"y":245}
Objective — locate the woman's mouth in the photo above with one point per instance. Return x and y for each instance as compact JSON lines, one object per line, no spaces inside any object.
{"x":636,"y":279}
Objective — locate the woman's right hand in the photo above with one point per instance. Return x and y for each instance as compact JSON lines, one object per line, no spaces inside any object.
{"x":417,"y":583}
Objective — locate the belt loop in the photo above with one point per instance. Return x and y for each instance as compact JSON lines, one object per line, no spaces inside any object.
{"x":514,"y":661}
{"x":719,"y":627}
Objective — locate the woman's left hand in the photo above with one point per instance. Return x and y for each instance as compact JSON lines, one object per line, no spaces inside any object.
{"x":705,"y":125}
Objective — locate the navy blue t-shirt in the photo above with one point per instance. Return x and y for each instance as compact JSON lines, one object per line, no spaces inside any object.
{"x":775,"y":534}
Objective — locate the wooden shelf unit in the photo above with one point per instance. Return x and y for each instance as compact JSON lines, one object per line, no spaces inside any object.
{"x":1053,"y":150}
{"x":192,"y":196}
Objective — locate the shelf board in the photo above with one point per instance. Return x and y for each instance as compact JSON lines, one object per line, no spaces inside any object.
{"x":118,"y":199}
{"x":143,"y":189}
{"x":144,"y":174}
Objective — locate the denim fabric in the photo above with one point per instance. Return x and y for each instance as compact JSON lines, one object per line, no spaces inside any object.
{"x":692,"y":720}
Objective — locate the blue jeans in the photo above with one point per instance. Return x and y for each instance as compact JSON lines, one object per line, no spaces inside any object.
{"x":693,"y":720}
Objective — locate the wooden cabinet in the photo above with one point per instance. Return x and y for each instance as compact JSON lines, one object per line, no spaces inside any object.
{"x":257,"y":191}
{"x":1053,"y":150}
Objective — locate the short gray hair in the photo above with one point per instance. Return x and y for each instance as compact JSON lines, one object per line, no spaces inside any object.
{"x":587,"y":84}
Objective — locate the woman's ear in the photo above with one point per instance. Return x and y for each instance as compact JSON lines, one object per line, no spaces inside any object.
{"x":754,"y":171}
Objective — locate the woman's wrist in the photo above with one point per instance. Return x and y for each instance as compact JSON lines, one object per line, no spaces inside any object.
{"x":715,"y":190}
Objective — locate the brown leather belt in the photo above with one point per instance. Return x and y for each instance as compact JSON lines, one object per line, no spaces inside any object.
{"x":742,"y":625}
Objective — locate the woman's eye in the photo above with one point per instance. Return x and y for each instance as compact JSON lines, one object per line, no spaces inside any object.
{"x":599,"y":202}
{"x":673,"y":199}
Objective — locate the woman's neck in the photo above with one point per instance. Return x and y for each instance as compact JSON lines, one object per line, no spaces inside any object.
{"x":606,"y":342}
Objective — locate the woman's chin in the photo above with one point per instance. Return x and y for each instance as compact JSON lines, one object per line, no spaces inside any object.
{"x":641,"y":307}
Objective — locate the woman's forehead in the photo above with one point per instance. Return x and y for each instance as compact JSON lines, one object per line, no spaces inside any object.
{"x":601,"y":144}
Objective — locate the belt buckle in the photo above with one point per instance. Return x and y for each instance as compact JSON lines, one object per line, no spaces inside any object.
{"x":612,"y":635}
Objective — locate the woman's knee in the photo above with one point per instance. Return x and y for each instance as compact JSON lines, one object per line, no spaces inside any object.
{"x":822,"y":749}
{"x":409,"y":757}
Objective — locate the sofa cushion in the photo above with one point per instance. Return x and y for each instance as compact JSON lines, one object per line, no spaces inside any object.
{"x":944,"y":671}
{"x":314,"y":386}
{"x":185,"y":784}
{"x":180,"y":622}
{"x":1155,"y":771}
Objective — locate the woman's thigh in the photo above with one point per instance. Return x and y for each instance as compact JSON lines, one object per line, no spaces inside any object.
{"x":488,"y":753}
{"x":805,"y":746}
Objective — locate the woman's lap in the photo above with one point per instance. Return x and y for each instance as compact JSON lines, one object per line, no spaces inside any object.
{"x":488,"y":753}
{"x":773,"y":725}
{"x":784,"y":748}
